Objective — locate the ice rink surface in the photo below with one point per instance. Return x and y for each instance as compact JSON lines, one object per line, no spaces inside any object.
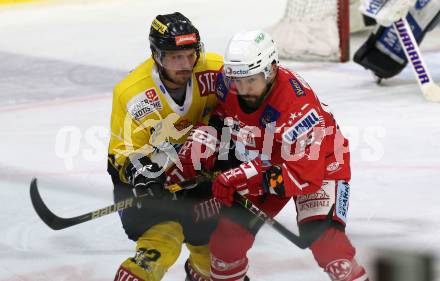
{"x":59,"y":61}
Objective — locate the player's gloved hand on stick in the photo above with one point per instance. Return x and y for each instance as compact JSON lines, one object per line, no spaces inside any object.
{"x":245,"y":179}
{"x":253,"y":178}
{"x":146,"y":177}
{"x":198,"y":152}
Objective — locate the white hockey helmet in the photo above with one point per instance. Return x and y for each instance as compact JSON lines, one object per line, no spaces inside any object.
{"x":249,"y":53}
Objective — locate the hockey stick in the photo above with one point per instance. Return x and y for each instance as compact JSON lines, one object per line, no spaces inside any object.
{"x":56,"y":223}
{"x":430,"y":90}
{"x":300,"y":241}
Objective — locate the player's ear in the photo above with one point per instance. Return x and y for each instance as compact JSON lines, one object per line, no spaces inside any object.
{"x":274,"y":67}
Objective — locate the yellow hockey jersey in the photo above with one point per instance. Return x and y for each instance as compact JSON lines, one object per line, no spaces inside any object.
{"x":146,"y":120}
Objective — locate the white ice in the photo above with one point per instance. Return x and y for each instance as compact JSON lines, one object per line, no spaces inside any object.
{"x":58,"y":63}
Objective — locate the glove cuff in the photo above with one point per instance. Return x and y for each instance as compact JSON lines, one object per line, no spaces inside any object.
{"x":250,"y":169}
{"x":253,"y":178}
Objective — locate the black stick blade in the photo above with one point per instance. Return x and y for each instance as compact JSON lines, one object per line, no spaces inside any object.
{"x":46,"y":215}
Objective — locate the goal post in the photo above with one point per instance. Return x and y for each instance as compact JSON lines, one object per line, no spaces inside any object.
{"x":314,"y":30}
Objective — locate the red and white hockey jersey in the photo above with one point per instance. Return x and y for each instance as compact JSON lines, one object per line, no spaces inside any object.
{"x":291,"y":129}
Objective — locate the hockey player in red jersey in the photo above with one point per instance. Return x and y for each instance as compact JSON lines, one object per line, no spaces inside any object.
{"x":285,"y":144}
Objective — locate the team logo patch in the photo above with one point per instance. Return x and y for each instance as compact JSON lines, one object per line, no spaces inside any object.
{"x":259,"y":38}
{"x":152,"y":97}
{"x":269,"y":115}
{"x":221,"y":88}
{"x":332,"y":167}
{"x":303,"y":126}
{"x":143,"y":104}
{"x":206,"y":81}
{"x":186,"y":39}
{"x":297,"y":87}
{"x":339,"y":269}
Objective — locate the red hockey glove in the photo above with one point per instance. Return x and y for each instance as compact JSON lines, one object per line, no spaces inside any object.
{"x":199,"y":151}
{"x":245,"y":179}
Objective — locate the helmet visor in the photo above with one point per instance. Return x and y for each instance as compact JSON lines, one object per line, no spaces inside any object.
{"x":245,"y":86}
{"x":184,"y":59}
{"x":241,"y":78}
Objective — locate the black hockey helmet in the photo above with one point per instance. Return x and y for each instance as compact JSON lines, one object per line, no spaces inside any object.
{"x":173,"y":32}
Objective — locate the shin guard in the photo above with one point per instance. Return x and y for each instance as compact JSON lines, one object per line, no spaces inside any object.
{"x":229,"y":245}
{"x":335,"y":254}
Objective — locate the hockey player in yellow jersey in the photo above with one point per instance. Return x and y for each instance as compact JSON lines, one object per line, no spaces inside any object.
{"x":153,"y":109}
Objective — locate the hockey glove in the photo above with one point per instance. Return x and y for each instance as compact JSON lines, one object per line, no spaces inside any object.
{"x":273,"y":182}
{"x":246,"y":179}
{"x":146,"y":178}
{"x":199,"y":151}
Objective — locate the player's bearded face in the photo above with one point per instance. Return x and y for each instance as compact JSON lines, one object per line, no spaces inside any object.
{"x":179,"y":65}
{"x":251,"y":89}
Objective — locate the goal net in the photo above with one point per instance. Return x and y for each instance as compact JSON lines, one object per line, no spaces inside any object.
{"x":314,"y":30}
